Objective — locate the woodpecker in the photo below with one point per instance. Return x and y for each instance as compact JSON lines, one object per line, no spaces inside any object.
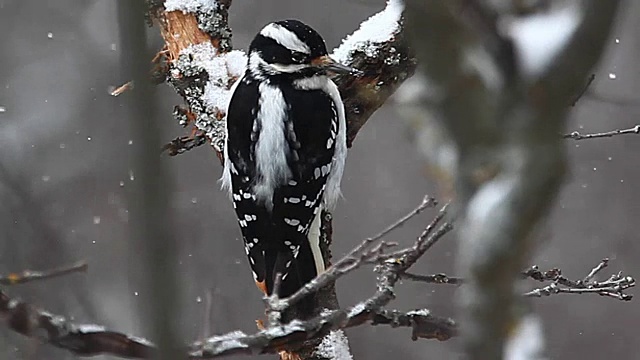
{"x":285,"y":151}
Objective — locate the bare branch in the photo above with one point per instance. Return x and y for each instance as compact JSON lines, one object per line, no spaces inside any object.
{"x":89,"y":340}
{"x":422,"y":323}
{"x":30,"y":275}
{"x":361,"y":254}
{"x":84,"y":340}
{"x":613,"y":287}
{"x":427,"y":202}
{"x":575,"y":135}
{"x":603,"y":264}
{"x":433,"y":279}
{"x":389,"y":272}
{"x":183,"y":144}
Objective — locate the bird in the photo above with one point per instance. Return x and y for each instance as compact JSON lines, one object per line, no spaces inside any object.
{"x":285,"y":151}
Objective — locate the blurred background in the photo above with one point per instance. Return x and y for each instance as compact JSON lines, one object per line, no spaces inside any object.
{"x":66,"y":169}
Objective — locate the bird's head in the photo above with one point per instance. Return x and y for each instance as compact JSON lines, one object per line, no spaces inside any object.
{"x":290,"y":47}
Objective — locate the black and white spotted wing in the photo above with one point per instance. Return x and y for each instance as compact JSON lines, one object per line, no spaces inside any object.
{"x":276,"y":238}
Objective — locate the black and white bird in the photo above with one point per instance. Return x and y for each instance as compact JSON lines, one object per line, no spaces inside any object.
{"x":285,"y":152}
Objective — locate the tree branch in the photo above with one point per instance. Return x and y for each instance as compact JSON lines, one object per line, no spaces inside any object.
{"x":89,"y":340}
{"x":575,"y":135}
{"x":30,"y":275}
{"x":614,"y":286}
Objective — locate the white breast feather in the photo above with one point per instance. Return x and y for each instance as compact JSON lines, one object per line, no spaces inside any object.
{"x":272,"y":148}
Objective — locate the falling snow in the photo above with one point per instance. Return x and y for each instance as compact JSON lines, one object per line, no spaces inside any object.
{"x":377,"y":29}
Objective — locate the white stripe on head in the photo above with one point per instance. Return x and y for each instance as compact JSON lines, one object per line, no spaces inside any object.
{"x":285,"y":37}
{"x":257,"y":66}
{"x":288,"y":68}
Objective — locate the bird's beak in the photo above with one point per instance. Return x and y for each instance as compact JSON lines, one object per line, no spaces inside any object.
{"x":327,"y":63}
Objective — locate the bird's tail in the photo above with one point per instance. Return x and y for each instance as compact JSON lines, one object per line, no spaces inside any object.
{"x":297,"y":267}
{"x":295,"y":271}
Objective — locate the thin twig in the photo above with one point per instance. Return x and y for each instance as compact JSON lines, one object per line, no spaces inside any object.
{"x":122,"y":88}
{"x":30,"y":275}
{"x":422,"y":323}
{"x":354,"y":259}
{"x":389,"y":274}
{"x":423,"y":242}
{"x":613,"y":287}
{"x":427,"y":202}
{"x":584,"y":89}
{"x":183,"y":144}
{"x":433,"y":279}
{"x":603,"y":264}
{"x":575,"y":135}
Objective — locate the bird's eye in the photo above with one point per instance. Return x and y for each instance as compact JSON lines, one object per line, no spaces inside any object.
{"x":298,"y":56}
